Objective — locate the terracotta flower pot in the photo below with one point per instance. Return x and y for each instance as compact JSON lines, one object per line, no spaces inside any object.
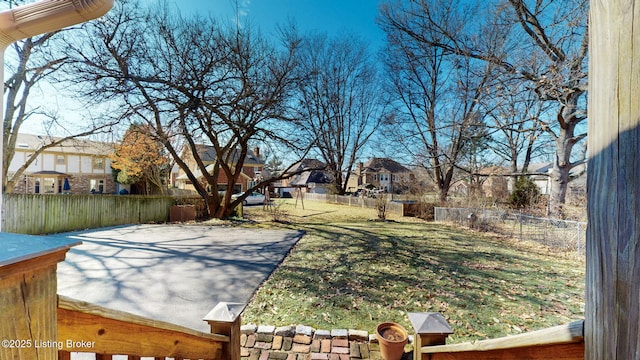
{"x":392,"y":338}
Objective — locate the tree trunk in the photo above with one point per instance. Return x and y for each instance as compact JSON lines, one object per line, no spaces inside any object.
{"x":443,"y":194}
{"x":612,"y":311}
{"x":565,"y":141}
{"x":559,"y":181}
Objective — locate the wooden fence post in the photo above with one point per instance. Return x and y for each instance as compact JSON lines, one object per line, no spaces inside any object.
{"x":224,"y":319}
{"x":612,"y":311}
{"x":430,"y":329}
{"x":28,"y":294}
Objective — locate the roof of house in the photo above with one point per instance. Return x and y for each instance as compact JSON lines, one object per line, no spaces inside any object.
{"x":316,"y":174}
{"x":378,"y":164}
{"x":541,"y":168}
{"x":208,"y":155}
{"x":545,"y":168}
{"x":198,"y":174}
{"x":29,"y":142}
{"x":494,"y":170}
{"x":307,"y":164}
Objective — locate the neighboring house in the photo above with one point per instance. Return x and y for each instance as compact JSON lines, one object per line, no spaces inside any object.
{"x":75,"y":166}
{"x":381,"y":173}
{"x":540,"y":176}
{"x":252,"y":169}
{"x":312,"y":178}
{"x":499,"y":182}
{"x":491,"y":182}
{"x":496,"y":185}
{"x":543,"y":180}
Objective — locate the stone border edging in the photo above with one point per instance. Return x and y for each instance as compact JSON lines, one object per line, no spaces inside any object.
{"x":267,"y":342}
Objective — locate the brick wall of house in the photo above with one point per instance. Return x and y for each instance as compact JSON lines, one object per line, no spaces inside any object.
{"x":20,"y":187}
{"x":80,"y":184}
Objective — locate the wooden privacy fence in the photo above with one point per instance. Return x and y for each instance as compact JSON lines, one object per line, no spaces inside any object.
{"x":46,"y":214}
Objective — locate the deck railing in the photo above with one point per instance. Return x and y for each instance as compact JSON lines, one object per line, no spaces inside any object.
{"x":83,"y":327}
{"x":564,"y":342}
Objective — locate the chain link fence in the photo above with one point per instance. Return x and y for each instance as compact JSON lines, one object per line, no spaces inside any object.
{"x":560,"y":234}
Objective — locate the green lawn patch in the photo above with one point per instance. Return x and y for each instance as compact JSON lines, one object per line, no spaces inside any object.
{"x":350,"y":272}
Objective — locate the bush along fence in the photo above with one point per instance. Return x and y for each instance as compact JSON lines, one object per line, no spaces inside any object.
{"x":561,"y":234}
{"x":47,"y":214}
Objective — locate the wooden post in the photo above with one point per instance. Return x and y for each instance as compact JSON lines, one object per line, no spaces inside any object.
{"x":28,"y":294}
{"x":224,"y":319}
{"x":299,"y":195}
{"x":430,"y":329}
{"x":612,"y":312}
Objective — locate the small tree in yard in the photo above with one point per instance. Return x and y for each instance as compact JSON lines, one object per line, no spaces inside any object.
{"x":381,"y":207}
{"x":526,"y":193}
{"x":278,"y":213}
{"x":140,"y":159}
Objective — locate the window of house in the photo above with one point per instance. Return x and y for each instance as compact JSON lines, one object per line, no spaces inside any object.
{"x":60,"y":160}
{"x":394,"y":177}
{"x":49,"y":185}
{"x":98,"y":163}
{"x":97,"y":185}
{"x":375,"y":177}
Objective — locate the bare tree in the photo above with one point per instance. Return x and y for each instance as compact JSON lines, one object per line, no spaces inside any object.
{"x":339,"y":100}
{"x":514,"y":118}
{"x":194,"y":80}
{"x":546,"y":45}
{"x":30,"y":63}
{"x":437,"y":95}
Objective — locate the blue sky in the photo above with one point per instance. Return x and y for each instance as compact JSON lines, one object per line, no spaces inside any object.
{"x":331,"y":16}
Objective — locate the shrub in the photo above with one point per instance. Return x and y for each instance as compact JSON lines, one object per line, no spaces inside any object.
{"x":426,"y":210}
{"x":278,"y":213}
{"x":525,"y":193}
{"x":381,"y":207}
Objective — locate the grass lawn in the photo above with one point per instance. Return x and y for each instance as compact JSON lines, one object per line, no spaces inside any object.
{"x":350,"y":272}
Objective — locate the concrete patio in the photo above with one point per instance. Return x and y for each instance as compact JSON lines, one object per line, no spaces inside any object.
{"x":173,"y":273}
